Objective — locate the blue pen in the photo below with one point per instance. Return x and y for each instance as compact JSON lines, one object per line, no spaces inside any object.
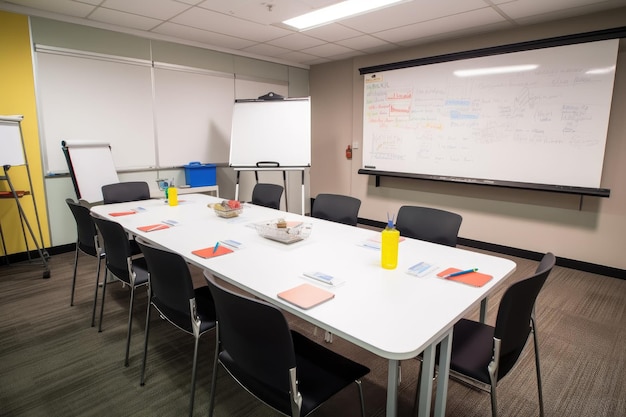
{"x":454,"y":274}
{"x":216,"y":245}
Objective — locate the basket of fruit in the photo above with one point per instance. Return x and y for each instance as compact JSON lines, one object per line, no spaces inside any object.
{"x":227,"y":208}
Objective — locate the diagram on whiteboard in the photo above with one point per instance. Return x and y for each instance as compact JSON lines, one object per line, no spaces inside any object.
{"x":488,"y":117}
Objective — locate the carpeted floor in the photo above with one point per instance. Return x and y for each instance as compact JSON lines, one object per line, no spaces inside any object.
{"x":52,"y":363}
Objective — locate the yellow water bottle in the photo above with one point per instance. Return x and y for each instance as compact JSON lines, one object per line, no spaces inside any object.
{"x":172,"y":196}
{"x":390,"y":238}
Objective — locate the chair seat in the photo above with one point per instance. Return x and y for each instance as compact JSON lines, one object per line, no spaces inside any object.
{"x":321,"y":374}
{"x":141,"y":273}
{"x":204,"y":308}
{"x":472,"y":349}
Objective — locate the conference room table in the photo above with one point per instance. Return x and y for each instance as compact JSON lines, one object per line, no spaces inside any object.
{"x":391,"y":313}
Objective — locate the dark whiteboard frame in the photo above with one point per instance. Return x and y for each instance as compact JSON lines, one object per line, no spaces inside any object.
{"x":595,"y":192}
{"x":614,"y":33}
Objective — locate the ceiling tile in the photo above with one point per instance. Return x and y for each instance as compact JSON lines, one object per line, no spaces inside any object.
{"x":157,"y":9}
{"x":363,"y":42}
{"x":202,"y":36}
{"x":217,"y":22}
{"x":65,"y":7}
{"x":266,"y":49}
{"x":409,"y":13}
{"x":327,"y":50}
{"x":296,"y":41}
{"x":123,"y":19}
{"x":405,"y":34}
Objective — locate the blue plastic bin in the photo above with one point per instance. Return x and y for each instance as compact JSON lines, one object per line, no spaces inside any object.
{"x":199,"y":175}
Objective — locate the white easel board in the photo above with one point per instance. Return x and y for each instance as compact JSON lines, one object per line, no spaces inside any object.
{"x":11,"y":151}
{"x":92,"y":166}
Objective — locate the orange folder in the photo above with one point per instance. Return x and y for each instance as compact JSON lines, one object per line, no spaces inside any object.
{"x":306,"y":296}
{"x":208,"y":252}
{"x":153,"y":227}
{"x":121,"y":213}
{"x":475,"y":279}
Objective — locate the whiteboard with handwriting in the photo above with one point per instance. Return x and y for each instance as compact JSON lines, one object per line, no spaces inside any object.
{"x":538,"y":116}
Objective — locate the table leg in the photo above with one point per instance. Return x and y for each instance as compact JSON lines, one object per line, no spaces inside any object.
{"x":483,"y":310}
{"x":444,"y":372}
{"x":426,"y":384}
{"x":392,"y":388}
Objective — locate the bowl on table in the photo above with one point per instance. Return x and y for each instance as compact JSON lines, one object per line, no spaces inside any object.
{"x":284,"y":231}
{"x":227,"y":208}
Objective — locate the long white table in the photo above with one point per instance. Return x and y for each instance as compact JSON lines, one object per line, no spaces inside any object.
{"x":390,"y":313}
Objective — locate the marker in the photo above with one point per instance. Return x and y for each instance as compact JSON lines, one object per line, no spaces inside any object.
{"x":216,"y":245}
{"x":454,"y":274}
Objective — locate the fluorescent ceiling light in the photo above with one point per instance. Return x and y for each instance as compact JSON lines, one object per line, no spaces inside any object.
{"x":338,"y":11}
{"x":495,"y":70}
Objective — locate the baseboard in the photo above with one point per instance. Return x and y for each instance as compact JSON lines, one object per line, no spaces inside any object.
{"x":526,"y":254}
{"x":34,"y":254}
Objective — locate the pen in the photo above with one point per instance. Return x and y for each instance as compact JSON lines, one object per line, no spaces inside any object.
{"x":216,"y":245}
{"x":454,"y":274}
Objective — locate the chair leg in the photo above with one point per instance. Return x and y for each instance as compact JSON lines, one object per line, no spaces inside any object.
{"x":104,"y":291}
{"x":536,"y":342}
{"x":145,"y":344}
{"x":215,"y":368}
{"x":95,"y":295}
{"x":193,"y":376}
{"x":130,"y":323}
{"x":494,"y":401}
{"x":360,"y":387}
{"x":74,"y":277}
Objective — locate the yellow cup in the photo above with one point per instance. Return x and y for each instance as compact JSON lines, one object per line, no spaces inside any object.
{"x":172,"y":196}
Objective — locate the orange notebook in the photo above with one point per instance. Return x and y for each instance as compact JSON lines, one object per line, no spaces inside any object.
{"x":208,"y":252}
{"x":306,"y":296}
{"x":153,"y":227}
{"x":121,"y":213}
{"x":475,"y":279}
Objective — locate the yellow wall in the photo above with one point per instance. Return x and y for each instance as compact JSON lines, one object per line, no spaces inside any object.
{"x":17,"y":96}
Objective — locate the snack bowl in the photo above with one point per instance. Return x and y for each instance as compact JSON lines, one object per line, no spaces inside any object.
{"x":225,"y":210}
{"x":284,"y":232}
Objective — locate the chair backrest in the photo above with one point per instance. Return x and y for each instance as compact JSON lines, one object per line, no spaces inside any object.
{"x":171,"y":285}
{"x":513,"y":323}
{"x":267,"y":195}
{"x":117,"y":248}
{"x":429,"y":224}
{"x":122,"y":192}
{"x":85,"y":228}
{"x":256,"y":336}
{"x":337,"y":208}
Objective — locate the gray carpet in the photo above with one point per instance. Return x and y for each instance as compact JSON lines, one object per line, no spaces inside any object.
{"x":52,"y":363}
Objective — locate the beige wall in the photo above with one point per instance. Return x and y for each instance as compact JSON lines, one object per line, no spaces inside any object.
{"x":587,"y":229}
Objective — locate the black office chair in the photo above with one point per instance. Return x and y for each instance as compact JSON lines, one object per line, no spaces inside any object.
{"x":279,"y":366}
{"x":123,"y":266}
{"x":486,"y":354}
{"x":429,"y":224}
{"x":122,"y":192}
{"x":173,"y":296}
{"x":336,"y":208}
{"x":267,"y":195}
{"x":88,"y":243}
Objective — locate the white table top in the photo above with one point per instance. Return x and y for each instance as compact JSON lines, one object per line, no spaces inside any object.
{"x":388,"y":312}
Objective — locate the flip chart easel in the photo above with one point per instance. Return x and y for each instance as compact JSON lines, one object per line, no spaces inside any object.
{"x":91,"y":166}
{"x":275,"y":168}
{"x":12,"y":143}
{"x":271,"y":133}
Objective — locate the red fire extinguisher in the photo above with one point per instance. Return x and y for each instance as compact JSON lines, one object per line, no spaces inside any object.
{"x":349,"y":152}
